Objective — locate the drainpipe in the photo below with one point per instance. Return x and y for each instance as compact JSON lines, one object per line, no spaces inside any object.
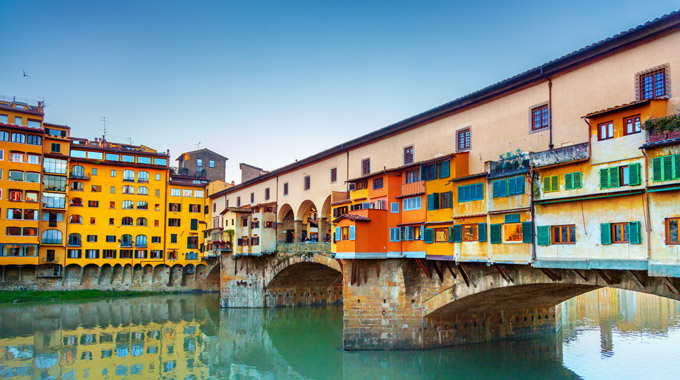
{"x":550,"y":144}
{"x":533,"y":214}
{"x":647,"y":213}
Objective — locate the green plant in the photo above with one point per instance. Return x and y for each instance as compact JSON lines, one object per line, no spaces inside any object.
{"x":663,"y":124}
{"x":230,"y":235}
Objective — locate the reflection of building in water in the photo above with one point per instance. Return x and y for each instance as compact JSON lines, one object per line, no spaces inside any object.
{"x":626,"y":311}
{"x":161,"y":346}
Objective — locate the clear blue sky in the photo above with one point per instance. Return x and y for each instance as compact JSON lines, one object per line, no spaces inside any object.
{"x":270,"y":82}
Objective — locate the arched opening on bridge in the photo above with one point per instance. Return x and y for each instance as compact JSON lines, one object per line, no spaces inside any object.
{"x":325,"y":221}
{"x":285,"y":227}
{"x":304,"y":283}
{"x":309,"y":222}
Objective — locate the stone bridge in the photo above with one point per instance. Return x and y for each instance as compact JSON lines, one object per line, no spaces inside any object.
{"x":418,"y":304}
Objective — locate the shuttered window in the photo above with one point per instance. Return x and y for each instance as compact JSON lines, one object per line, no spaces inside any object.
{"x":481,"y":232}
{"x":496,"y":234}
{"x":429,"y":235}
{"x":551,"y":184}
{"x":666,"y":168}
{"x":573,"y":181}
{"x":433,"y":201}
{"x":510,"y":186}
{"x":543,"y":235}
{"x":472,"y":192}
{"x":457,"y":233}
{"x":444,"y":169}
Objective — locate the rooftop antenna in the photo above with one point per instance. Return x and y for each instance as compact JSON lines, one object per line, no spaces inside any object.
{"x":129,"y":140}
{"x":198,"y":146}
{"x":103,"y":119}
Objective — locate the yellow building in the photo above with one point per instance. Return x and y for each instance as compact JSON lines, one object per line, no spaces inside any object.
{"x":21,"y":135}
{"x":185,"y":223}
{"x":116,"y":204}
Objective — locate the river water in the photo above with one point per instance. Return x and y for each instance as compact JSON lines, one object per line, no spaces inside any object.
{"x":606,"y":334}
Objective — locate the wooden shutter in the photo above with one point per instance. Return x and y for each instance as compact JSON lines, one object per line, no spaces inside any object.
{"x":503,"y":187}
{"x":634,"y":174}
{"x":430,"y":202}
{"x":194,"y":224}
{"x":391,"y":234}
{"x":481,"y":232}
{"x":351,"y":232}
{"x":604,"y":179}
{"x":543,"y":235}
{"x":457,"y":233}
{"x":423,"y":173}
{"x":429,"y":235}
{"x":450,"y":235}
{"x":578,"y":183}
{"x":435,"y":198}
{"x":605,"y":233}
{"x":519,"y":185}
{"x":450,"y":200}
{"x":546,"y":184}
{"x":614,"y":177}
{"x":422,"y":232}
{"x":496,"y":234}
{"x":338,"y":233}
{"x":479,"y":191}
{"x":634,"y":230}
{"x":527,"y":232}
{"x":554,"y":183}
{"x":568,"y":182}
{"x":667,"y":168}
{"x":511,"y":186}
{"x":496,"y":189}
{"x":676,"y":165}
{"x":657,"y":175}
{"x":444,"y":169}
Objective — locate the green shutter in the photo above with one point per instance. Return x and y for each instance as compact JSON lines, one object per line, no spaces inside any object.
{"x":543,"y":235}
{"x":546,"y":184}
{"x":444,"y":169}
{"x":512,"y":218}
{"x":569,"y":181}
{"x":605,"y":233}
{"x":527,"y":232}
{"x":519,"y":185}
{"x":430,"y":201}
{"x":450,"y":235}
{"x":656,"y":169}
{"x":634,"y":231}
{"x":496,"y":189}
{"x":481,"y":232}
{"x":577,"y":180}
{"x":555,"y":183}
{"x":634,"y":174}
{"x":614,"y":177}
{"x":604,"y":179}
{"x":435,"y":197}
{"x":188,"y":242}
{"x":667,"y":168}
{"x":676,"y":165}
{"x":429,"y":235}
{"x":496,"y":234}
{"x":194,"y":224}
{"x":450,"y":200}
{"x":423,"y":173}
{"x":457,"y":233}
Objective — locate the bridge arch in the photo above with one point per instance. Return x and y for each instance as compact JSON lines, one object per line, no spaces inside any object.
{"x":304,"y":280}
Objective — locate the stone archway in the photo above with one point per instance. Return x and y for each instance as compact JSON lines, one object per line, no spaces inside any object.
{"x":302,"y":281}
{"x":307,"y":222}
{"x":285,"y":227}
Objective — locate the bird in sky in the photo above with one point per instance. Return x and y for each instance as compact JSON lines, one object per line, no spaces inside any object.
{"x":26,"y":75}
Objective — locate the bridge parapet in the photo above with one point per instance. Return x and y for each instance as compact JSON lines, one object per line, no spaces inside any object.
{"x":305,"y":247}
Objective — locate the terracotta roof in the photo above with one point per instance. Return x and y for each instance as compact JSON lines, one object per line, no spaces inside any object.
{"x":619,"y":107}
{"x":236,"y":209}
{"x":404,"y":167}
{"x":354,"y":217}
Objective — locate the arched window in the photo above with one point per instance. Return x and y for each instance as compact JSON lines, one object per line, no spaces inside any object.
{"x":128,"y":175}
{"x":141,"y":222}
{"x":75,"y":219}
{"x":78,"y":171}
{"x":77,"y":186}
{"x":126,"y":241}
{"x":143,"y":176}
{"x":128,"y":204}
{"x":51,"y":237}
{"x":127,"y":221}
{"x":77,"y":202}
{"x":142,"y":190}
{"x":140,"y":241}
{"x":142,"y":205}
{"x":74,"y":240}
{"x":127,"y":189}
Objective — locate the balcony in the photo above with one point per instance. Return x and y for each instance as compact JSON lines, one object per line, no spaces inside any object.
{"x":73,"y":175}
{"x":51,"y":241}
{"x":510,"y":164}
{"x":662,"y":131}
{"x":413,"y":188}
{"x":562,"y":155}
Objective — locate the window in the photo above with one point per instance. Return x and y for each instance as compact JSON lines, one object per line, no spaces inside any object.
{"x":129,"y":205}
{"x":186,"y":192}
{"x":605,"y":131}
{"x":78,"y":172}
{"x":539,"y":118}
{"x":199,"y":163}
{"x":127,"y":189}
{"x":512,"y":232}
{"x":285,"y":188}
{"x":631,"y":125}
{"x":194,"y":208}
{"x":142,"y":222}
{"x":156,"y":254}
{"x":109,"y":253}
{"x":429,"y":172}
{"x":252,"y":198}
{"x":238,"y":201}
{"x":441,"y":235}
{"x":308,"y":182}
{"x":51,"y":237}
{"x":113,"y":173}
{"x":19,"y":138}
{"x":173,"y":238}
{"x":125,"y":253}
{"x":140,"y":241}
{"x":155,"y":239}
{"x":92,"y":203}
{"x":92,"y":253}
{"x":54,"y":183}
{"x":198,"y":193}
{"x":110,"y":238}
{"x":652,"y":84}
{"x":395,"y":234}
{"x":54,"y":166}
{"x":617,"y":176}
{"x":334,"y":175}
{"x":551,"y":184}
{"x":74,"y":240}
{"x":563,"y":234}
{"x":143,"y":176}
{"x":665,"y":168}
{"x":377,"y":183}
{"x":51,"y":200}
{"x":75,"y":219}
{"x":672,"y":231}
{"x":144,"y":160}
{"x":470,"y":232}
{"x":175,"y":207}
{"x":16,"y":176}
{"x":366,"y":166}
{"x":142,"y":190}
{"x":173,"y":222}
{"x":77,"y":186}
{"x":96,"y":189}
{"x":18,"y":120}
{"x":620,"y":233}
{"x":412,"y":175}
{"x":445,"y":200}
{"x":126,"y":221}
{"x":473,"y":192}
{"x":94,"y":171}
{"x":56,"y":148}
{"x":126,"y":241}
{"x":266,"y":194}
{"x":573,"y":181}
{"x":74,"y":253}
{"x":408,"y":155}
{"x":410,"y":204}
{"x":506,"y":187}
{"x":463,"y":140}
{"x":92,"y":220}
{"x":158,"y":176}
{"x":129,"y":175}
{"x":91,"y":238}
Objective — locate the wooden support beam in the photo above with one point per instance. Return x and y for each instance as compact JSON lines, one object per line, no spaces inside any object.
{"x":448,"y":266}
{"x":353,"y":271}
{"x":423,"y":268}
{"x":583,"y":276}
{"x":437,"y":270}
{"x":670,"y":285}
{"x":377,"y":268}
{"x":466,"y":277}
{"x":235,"y":266}
{"x":247,"y":266}
{"x":552,"y":275}
{"x":365,"y":268}
{"x":604,"y":276}
{"x":506,"y":276}
{"x":638,"y":280}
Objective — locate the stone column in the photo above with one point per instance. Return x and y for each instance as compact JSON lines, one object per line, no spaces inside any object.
{"x":298,"y":230}
{"x":323,"y":228}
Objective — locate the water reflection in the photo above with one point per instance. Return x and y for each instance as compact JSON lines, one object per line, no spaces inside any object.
{"x":606,"y":334}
